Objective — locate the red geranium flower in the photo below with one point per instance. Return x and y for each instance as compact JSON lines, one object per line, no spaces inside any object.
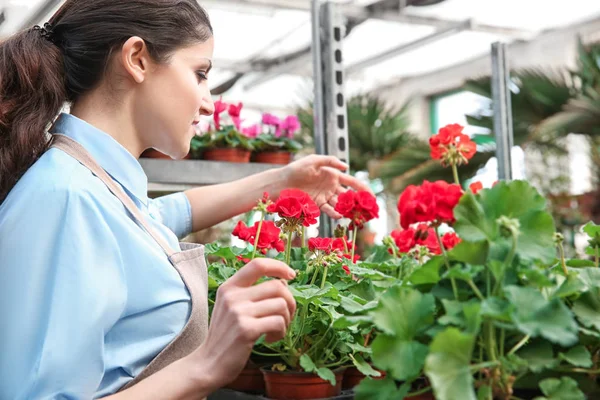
{"x":476,"y":187}
{"x":346,"y":269}
{"x":296,"y":207}
{"x":430,"y":202}
{"x":268,"y":239}
{"x":449,"y":240}
{"x":320,"y":244}
{"x":360,"y":207}
{"x":423,"y":235}
{"x":341,"y":244}
{"x":452,"y":146}
{"x":243,"y":259}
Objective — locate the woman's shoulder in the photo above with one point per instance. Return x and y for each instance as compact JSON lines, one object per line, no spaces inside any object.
{"x":53,"y":181}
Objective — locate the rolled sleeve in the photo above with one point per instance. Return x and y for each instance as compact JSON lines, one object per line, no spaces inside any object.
{"x":175,"y":213}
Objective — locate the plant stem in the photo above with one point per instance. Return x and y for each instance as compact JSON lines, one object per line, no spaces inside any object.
{"x":475,"y":289}
{"x":455,"y":174}
{"x":211,"y":301}
{"x":303,"y":237}
{"x":266,"y":354}
{"x":502,"y":337}
{"x":342,"y":361}
{"x":354,"y":235}
{"x":302,"y":320}
{"x":486,"y":364}
{"x":288,"y":251}
{"x":507,"y":263}
{"x":518,"y":345}
{"x":578,"y":370}
{"x":418,"y":392}
{"x":445,"y":255}
{"x":262,"y":218}
{"x":314,"y":278}
{"x":345,"y":242}
{"x":490,"y":343}
{"x":324,"y":277}
{"x":563,"y":264}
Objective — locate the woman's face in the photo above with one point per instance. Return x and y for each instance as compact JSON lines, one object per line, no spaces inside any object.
{"x":171,"y":100}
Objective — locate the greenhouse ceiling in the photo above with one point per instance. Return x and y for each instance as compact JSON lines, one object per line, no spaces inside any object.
{"x":262,"y":54}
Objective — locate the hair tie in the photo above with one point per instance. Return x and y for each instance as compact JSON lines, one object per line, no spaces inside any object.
{"x":47,"y":31}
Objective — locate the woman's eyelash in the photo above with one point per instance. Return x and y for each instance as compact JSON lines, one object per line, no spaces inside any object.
{"x":201,"y":75}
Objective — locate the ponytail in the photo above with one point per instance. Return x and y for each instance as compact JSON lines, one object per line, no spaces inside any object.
{"x":32,"y":93}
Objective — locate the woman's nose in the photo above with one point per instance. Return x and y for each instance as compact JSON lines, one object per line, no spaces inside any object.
{"x":207,"y":107}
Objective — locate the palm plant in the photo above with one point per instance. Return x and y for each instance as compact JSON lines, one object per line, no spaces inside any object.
{"x":374,"y":130}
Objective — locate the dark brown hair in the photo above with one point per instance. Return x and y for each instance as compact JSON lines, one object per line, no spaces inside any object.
{"x":39,"y":74}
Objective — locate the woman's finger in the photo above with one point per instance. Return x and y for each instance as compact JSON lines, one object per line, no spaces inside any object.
{"x":259,"y":268}
{"x":275,"y":306}
{"x":269,"y":290}
{"x":327,"y":209}
{"x":354,"y":183}
{"x":274,"y":326}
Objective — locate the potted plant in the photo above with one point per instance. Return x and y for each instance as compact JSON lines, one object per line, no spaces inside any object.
{"x":274,"y":139}
{"x":492,"y":310}
{"x":223,"y":141}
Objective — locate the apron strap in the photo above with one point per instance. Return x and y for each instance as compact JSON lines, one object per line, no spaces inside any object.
{"x":77,"y":151}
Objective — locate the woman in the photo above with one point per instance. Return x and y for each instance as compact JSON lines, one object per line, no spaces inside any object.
{"x":97,"y":298}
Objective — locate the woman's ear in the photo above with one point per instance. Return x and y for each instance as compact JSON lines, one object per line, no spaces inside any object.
{"x":135,"y":58}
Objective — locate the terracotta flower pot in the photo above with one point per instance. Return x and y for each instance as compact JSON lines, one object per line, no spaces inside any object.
{"x":273,"y":157}
{"x":250,"y":380}
{"x":300,"y":385}
{"x":151,"y":153}
{"x":227,"y":154}
{"x":352,"y":377}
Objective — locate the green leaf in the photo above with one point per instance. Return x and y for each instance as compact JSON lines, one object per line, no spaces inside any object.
{"x":578,"y":356}
{"x":536,"y":316}
{"x":470,"y":252}
{"x":447,"y":365}
{"x":428,"y":273}
{"x":564,"y":389}
{"x":472,"y":312}
{"x":575,"y":263}
{"x":364,"y":367}
{"x":228,"y":253}
{"x":327,"y":375}
{"x":496,"y":308}
{"x":538,"y":355}
{"x":590,"y":277}
{"x":307,"y":363}
{"x":359,"y":348}
{"x":352,"y":306}
{"x":496,"y":268}
{"x":484,"y":393}
{"x":347,"y":321}
{"x":404,"y":312}
{"x":465,"y":273}
{"x":369,"y":273}
{"x":571,"y":285}
{"x":476,"y":218}
{"x":403,"y":359}
{"x":453,"y":315}
{"x":381,"y":389}
{"x":587,"y":310}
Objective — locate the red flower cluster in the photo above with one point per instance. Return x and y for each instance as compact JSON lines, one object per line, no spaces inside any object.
{"x":320,"y":244}
{"x":425,"y":236}
{"x":268,"y":239}
{"x":476,"y":187}
{"x":360,"y":207}
{"x":430,"y":202}
{"x":452,"y":146}
{"x":296,"y":205}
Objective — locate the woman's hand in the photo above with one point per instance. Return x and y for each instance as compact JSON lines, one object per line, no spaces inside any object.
{"x":322,"y":177}
{"x":242,"y":313}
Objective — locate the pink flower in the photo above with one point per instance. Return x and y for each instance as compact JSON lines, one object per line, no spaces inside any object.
{"x":291,"y":125}
{"x":272,"y":120}
{"x":234,"y":113}
{"x":220,"y":106}
{"x":252,"y":131}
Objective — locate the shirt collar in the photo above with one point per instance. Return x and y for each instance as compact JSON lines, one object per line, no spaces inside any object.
{"x":108,"y":153}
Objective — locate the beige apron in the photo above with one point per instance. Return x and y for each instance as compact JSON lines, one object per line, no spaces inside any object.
{"x":189,"y":263}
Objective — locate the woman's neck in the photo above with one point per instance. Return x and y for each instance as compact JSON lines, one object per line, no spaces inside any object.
{"x":114,"y":119}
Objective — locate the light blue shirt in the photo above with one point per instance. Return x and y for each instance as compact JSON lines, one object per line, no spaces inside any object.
{"x":87,"y":297}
